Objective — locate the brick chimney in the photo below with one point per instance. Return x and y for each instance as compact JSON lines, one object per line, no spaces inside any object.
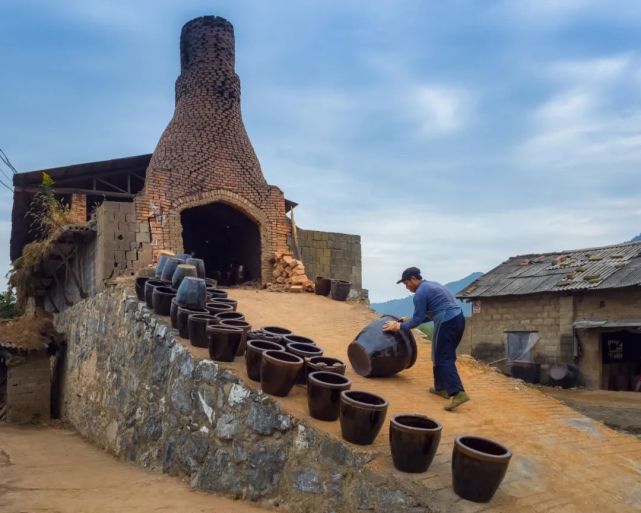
{"x":204,"y":156}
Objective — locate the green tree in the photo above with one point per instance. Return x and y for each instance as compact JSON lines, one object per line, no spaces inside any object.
{"x":8,"y":306}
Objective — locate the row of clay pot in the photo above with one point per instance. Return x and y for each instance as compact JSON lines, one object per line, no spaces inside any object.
{"x":336,"y":289}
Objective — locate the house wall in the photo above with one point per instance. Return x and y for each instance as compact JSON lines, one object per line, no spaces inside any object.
{"x":332,"y":255}
{"x":552,"y":317}
{"x":29,"y":389}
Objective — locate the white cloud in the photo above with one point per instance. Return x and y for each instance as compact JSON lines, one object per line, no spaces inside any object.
{"x":440,"y":109}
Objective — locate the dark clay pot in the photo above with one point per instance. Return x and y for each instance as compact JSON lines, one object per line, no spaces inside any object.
{"x":197,"y":328}
{"x":169,"y":268}
{"x":183,"y":317}
{"x":478,"y":467}
{"x":191,"y":293}
{"x":217,"y":293}
{"x":199,"y":264}
{"x":183,"y":256}
{"x":150,"y":285}
{"x":173,"y":313}
{"x":243,"y":325}
{"x":278,"y":370}
{"x":362,"y":416}
{"x":413,"y":442}
{"x":304,"y":351}
{"x":216,"y":307}
{"x":340,"y":289}
{"x":226,"y":316}
{"x":324,"y":394}
{"x":325,"y":364}
{"x":140,"y":287}
{"x":161,"y":299}
{"x":225,"y":300}
{"x":376,"y":353}
{"x":223,"y":342}
{"x":288,"y":339}
{"x":162,"y":260}
{"x":180,"y":273}
{"x":277,"y":330}
{"x":254,"y":354}
{"x":268,"y":337}
{"x":211,"y":282}
{"x":322,"y":286}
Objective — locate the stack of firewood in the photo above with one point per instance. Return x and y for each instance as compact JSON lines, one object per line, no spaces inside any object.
{"x":289,"y":275}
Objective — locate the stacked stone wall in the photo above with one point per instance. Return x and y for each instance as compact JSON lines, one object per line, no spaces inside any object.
{"x":133,"y":389}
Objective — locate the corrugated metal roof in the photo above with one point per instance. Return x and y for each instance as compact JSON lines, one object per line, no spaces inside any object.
{"x":607,"y":267}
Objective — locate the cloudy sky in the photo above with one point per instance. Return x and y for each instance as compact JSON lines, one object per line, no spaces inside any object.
{"x":449,"y":135}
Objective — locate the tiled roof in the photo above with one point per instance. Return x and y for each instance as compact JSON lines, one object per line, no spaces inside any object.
{"x":607,"y":267}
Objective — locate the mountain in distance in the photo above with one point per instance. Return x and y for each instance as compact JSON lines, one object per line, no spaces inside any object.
{"x":636,"y":239}
{"x":405,"y":307}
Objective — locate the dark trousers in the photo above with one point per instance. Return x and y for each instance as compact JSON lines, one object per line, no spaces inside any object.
{"x":447,"y":339}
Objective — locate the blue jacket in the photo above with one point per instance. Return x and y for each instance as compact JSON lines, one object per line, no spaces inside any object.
{"x":431,"y":299}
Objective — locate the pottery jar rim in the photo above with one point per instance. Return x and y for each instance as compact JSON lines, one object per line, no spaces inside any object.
{"x":230,"y":316}
{"x":226,"y":299}
{"x":225,"y":307}
{"x":282,"y":357}
{"x":204,"y":316}
{"x":319,"y":377}
{"x":316,"y":360}
{"x":461,"y":444}
{"x":277,"y":330}
{"x":191,"y":309}
{"x":397,"y":422}
{"x":301,"y":339}
{"x":218,"y":328}
{"x":236,"y":323}
{"x":254,"y":344}
{"x":154,"y":282}
{"x":346,"y":397}
{"x":310,"y":350}
{"x":162,"y":289}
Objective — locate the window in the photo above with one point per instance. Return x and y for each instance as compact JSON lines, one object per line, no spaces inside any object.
{"x":519,"y":344}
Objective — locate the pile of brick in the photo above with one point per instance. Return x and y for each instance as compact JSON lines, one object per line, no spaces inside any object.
{"x":289,"y":275}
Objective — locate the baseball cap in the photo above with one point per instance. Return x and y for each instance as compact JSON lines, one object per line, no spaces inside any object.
{"x":408,"y":273}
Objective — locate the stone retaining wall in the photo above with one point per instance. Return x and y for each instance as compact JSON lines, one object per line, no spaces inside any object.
{"x":134,"y":390}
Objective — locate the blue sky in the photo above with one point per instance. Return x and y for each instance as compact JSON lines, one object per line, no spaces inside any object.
{"x":449,"y":135}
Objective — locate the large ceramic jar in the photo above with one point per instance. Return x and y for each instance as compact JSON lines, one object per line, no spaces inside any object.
{"x":362,"y":416}
{"x":478,"y":467}
{"x":216,"y":307}
{"x":324,"y":363}
{"x":199,"y":264}
{"x":169,"y":268}
{"x":413,"y":442}
{"x":254,"y":355}
{"x":140,"y":287}
{"x":376,"y":353}
{"x":324,"y":394}
{"x":263,"y":335}
{"x":340,"y":289}
{"x":278,"y":370}
{"x":225,"y":300}
{"x":227,"y":316}
{"x":161,"y":299}
{"x":150,"y":285}
{"x":191,"y":293}
{"x":223,"y":342}
{"x":162,"y":260}
{"x":181,"y":272}
{"x":322,"y":286}
{"x":183,"y":318}
{"x":304,"y":351}
{"x":243,"y":325}
{"x":197,"y":328}
{"x":217,"y":293}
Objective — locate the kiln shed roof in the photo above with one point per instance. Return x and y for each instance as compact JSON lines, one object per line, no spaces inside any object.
{"x":607,"y":267}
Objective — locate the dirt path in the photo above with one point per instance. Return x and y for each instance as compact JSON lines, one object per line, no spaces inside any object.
{"x":49,"y":470}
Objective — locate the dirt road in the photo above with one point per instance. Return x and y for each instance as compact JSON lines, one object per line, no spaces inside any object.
{"x":50,"y":470}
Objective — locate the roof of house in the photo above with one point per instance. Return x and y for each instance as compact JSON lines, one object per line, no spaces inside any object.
{"x":607,"y":267}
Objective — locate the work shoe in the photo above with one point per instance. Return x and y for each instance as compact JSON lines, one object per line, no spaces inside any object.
{"x":442,"y":393}
{"x":457,"y":400}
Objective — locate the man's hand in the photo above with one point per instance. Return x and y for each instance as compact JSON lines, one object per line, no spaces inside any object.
{"x":392,"y":326}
